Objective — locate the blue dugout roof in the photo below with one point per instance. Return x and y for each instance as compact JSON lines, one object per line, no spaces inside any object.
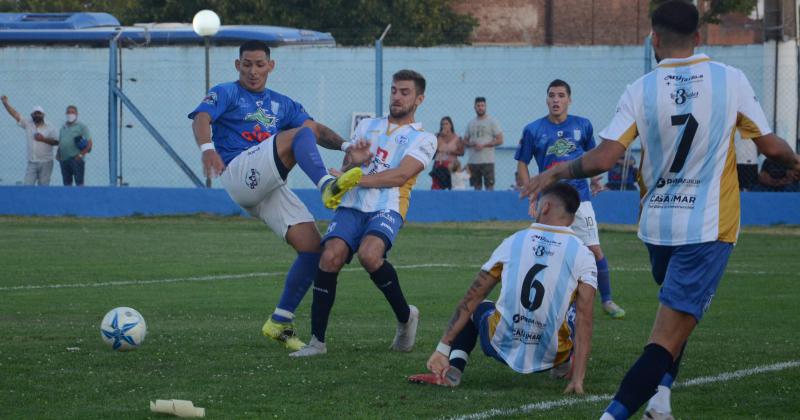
{"x":100,"y":28}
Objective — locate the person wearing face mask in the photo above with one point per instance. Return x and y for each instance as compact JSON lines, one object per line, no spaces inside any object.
{"x":41,"y":138}
{"x":75,"y":141}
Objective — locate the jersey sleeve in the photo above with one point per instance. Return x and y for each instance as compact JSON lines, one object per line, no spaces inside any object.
{"x":423,"y":150}
{"x":750,"y":118}
{"x":214,"y":104}
{"x":622,"y":127}
{"x":524,"y":151}
{"x":295,"y":116}
{"x":499,"y":258}
{"x":586,"y":268}
{"x":496,"y":129}
{"x":24,"y":122}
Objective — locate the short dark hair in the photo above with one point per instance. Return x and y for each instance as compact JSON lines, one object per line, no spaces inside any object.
{"x":676,"y":17}
{"x":480,"y":99}
{"x":565,"y":193}
{"x":559,"y":83}
{"x":418,"y":79}
{"x":73,"y":107}
{"x":254,"y":45}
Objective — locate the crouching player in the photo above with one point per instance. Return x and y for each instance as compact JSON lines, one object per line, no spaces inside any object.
{"x":543,"y":317}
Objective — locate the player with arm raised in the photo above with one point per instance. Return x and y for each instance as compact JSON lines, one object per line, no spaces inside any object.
{"x":560,"y":137}
{"x":371,"y":215}
{"x":252,"y":137}
{"x":684,"y":112}
{"x":543,"y":317}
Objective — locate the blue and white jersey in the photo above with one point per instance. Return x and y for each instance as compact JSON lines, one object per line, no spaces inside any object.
{"x":242,"y":119}
{"x":685,"y":112}
{"x":540,"y":268}
{"x":389,"y":145}
{"x":552,"y":144}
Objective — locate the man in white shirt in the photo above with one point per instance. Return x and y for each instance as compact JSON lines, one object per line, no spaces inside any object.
{"x":42,"y":139}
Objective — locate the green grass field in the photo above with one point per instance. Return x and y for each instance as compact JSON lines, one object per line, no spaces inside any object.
{"x":205,"y":286}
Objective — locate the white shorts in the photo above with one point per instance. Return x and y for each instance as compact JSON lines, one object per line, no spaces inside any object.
{"x":585,"y":224}
{"x":253,"y":182}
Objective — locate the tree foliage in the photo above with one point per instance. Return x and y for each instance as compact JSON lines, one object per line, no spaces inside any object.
{"x":352,"y":22}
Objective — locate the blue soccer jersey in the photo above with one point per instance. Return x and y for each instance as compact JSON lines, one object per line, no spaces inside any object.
{"x":552,"y":144}
{"x":242,"y":119}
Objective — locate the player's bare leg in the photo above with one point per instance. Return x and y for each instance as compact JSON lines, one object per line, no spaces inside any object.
{"x":383,"y":274}
{"x":604,"y":284}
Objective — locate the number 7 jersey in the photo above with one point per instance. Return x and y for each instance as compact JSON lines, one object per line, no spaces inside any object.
{"x":685,"y":113}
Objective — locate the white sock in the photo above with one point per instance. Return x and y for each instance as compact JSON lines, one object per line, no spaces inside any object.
{"x":607,"y":416}
{"x":323,"y":180}
{"x":660,"y":401}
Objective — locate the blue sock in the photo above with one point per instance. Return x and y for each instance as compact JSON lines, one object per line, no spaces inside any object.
{"x":304,"y":147}
{"x":298,"y":280}
{"x":641,"y":381}
{"x":603,"y":280}
{"x":324,"y":296}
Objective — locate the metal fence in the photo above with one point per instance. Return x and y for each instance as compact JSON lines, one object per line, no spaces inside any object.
{"x":166,"y":83}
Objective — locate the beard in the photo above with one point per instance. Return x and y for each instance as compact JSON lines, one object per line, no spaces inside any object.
{"x":401,"y":112}
{"x":38,"y":120}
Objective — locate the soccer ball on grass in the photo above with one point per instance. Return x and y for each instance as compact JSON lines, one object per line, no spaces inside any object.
{"x":123,"y":329}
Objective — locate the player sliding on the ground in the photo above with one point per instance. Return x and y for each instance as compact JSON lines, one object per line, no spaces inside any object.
{"x":371,"y":215}
{"x":543,"y":317}
{"x":684,"y":112}
{"x":258,"y":136}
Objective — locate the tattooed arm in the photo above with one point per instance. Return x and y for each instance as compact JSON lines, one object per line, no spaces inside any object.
{"x":481,"y":287}
{"x":326,"y":137}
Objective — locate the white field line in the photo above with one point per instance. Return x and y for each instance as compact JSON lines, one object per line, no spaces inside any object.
{"x":275,"y":274}
{"x":190,"y":279}
{"x":566,"y":402}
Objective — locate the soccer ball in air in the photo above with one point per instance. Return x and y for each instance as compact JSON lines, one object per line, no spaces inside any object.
{"x":123,"y":329}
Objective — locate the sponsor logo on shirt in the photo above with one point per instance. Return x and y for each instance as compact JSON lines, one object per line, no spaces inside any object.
{"x":561,"y":148}
{"x":682,"y":79}
{"x":541,"y":251}
{"x":522,"y":318}
{"x":662,"y":182}
{"x":682,"y":95}
{"x":210,"y":99}
{"x":379,"y":161}
{"x":252,"y":178}
{"x":576,"y":134}
{"x":401,"y":139}
{"x":672,"y":201}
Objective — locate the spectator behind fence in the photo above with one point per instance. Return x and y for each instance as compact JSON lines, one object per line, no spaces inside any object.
{"x":41,"y":138}
{"x":746,"y":163}
{"x":449,"y":147}
{"x":482,"y":135}
{"x":775,"y":178}
{"x":620,"y":178}
{"x":74,"y":142}
{"x":459,"y":175}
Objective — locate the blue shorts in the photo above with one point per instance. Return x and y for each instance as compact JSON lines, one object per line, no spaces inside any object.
{"x":481,"y":319}
{"x":689,"y":274}
{"x":352,"y":225}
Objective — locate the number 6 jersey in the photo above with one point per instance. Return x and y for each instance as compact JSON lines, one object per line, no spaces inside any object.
{"x":685,"y":112}
{"x":539,"y":268}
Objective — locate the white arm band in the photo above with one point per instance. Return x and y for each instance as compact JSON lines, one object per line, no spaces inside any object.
{"x":207,"y":146}
{"x":443,"y":348}
{"x":346,"y":145}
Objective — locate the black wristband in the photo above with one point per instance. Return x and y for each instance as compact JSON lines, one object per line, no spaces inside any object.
{"x":576,"y":169}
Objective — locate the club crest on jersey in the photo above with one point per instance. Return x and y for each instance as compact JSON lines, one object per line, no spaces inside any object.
{"x":576,"y":134}
{"x":561,"y":148}
{"x":262,"y":118}
{"x":252,"y":178}
{"x":210,"y":99}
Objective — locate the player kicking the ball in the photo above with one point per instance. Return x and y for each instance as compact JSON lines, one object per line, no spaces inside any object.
{"x":543,"y":317}
{"x":258,"y":137}
{"x":371,"y":215}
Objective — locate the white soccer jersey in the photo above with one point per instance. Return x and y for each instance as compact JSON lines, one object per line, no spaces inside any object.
{"x":685,"y":112}
{"x":389,"y":145}
{"x":540,"y":268}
